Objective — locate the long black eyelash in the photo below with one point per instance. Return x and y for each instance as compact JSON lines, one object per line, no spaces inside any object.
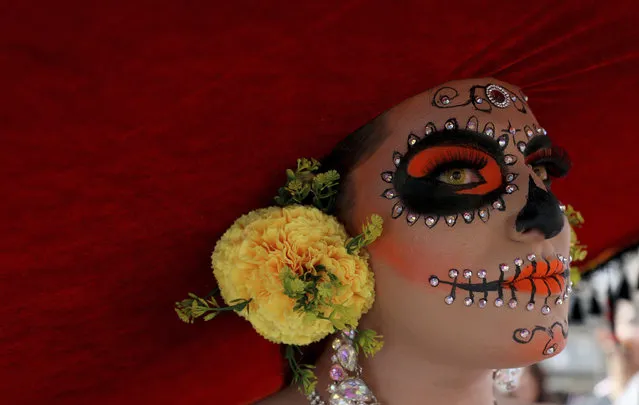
{"x":555,"y":159}
{"x":458,"y":160}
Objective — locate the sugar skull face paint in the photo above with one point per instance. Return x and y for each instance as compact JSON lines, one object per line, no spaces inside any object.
{"x":462,"y":180}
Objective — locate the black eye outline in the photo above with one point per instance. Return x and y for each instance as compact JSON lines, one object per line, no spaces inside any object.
{"x":433,"y":190}
{"x":540,"y":151}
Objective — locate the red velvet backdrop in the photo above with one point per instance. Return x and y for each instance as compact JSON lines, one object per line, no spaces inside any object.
{"x":134,"y":133}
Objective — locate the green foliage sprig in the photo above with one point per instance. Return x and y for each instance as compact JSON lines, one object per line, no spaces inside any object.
{"x":370,"y":231}
{"x":312,"y":292}
{"x":368,"y":342}
{"x":303,"y":374}
{"x":577,"y":250}
{"x":304,"y":182}
{"x":207,"y":308}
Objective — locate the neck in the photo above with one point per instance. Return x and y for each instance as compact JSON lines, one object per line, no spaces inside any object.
{"x":620,"y":371}
{"x":399,"y":376}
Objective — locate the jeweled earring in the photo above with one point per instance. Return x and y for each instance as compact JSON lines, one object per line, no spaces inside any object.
{"x":347,"y":386}
{"x":506,"y":380}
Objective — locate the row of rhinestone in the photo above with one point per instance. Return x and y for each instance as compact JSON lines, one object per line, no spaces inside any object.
{"x":499,"y":302}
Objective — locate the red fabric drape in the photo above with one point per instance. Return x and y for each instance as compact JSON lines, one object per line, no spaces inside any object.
{"x":133,"y":133}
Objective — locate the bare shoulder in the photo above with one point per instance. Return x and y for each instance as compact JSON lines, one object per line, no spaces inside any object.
{"x":288,"y":396}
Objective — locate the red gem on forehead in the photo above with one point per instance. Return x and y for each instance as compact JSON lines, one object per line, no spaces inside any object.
{"x":497,"y":95}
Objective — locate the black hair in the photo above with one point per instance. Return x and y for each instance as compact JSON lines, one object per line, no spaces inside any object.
{"x":348,"y":154}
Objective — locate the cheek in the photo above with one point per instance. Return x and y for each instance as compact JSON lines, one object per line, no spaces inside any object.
{"x":417,"y":254}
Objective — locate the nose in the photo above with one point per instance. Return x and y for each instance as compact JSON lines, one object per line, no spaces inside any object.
{"x":541,"y":215}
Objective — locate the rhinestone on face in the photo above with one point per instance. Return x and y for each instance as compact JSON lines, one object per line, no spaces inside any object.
{"x":412,"y":139}
{"x":467,"y":274}
{"x":449,"y":300}
{"x":510,"y":177}
{"x":550,"y":350}
{"x":498,"y":205}
{"x":512,"y":304}
{"x":479,"y":100}
{"x":504,"y":267}
{"x":452,"y":273}
{"x":468,"y":217}
{"x":483,"y":214}
{"x":430,"y":221}
{"x":526,"y":98}
{"x":510,"y":159}
{"x":481,"y":273}
{"x":450,"y":125}
{"x":545,"y":310}
{"x":569,"y":290}
{"x":468,"y":301}
{"x":562,"y":207}
{"x":397,"y":159}
{"x":482,"y":303}
{"x":524,"y":333}
{"x":429,"y":129}
{"x":503,"y":141}
{"x":513,"y":98}
{"x":498,"y":96}
{"x":411,"y":218}
{"x":519,"y":262}
{"x":531,"y":257}
{"x":489,"y":131}
{"x":560,"y":257}
{"x":512,"y":130}
{"x":450,"y":220}
{"x":521,"y":146}
{"x":530,"y":306}
{"x":472,"y":123}
{"x":387,"y":177}
{"x":529,"y":133}
{"x":559,"y":301}
{"x":389,"y":193}
{"x":511,"y":188}
{"x":445,"y":100}
{"x":499,"y":302}
{"x":434,"y":281}
{"x":397,"y":211}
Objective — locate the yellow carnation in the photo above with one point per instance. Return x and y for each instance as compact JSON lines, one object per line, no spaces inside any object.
{"x":256,"y":253}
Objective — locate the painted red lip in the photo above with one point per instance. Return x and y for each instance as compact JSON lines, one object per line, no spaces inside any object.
{"x":541,"y":277}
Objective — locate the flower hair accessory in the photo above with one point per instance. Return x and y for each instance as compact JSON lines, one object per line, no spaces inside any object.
{"x":292,"y":270}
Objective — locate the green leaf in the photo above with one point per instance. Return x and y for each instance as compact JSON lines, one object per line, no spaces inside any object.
{"x":368,"y":341}
{"x":210,"y":315}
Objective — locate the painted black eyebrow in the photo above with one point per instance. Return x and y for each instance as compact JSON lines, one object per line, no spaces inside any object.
{"x":537,"y":143}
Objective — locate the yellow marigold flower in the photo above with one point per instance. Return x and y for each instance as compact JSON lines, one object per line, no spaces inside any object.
{"x":258,"y":251}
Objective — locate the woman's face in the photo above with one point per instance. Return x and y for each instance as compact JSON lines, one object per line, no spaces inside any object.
{"x":473,"y":261}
